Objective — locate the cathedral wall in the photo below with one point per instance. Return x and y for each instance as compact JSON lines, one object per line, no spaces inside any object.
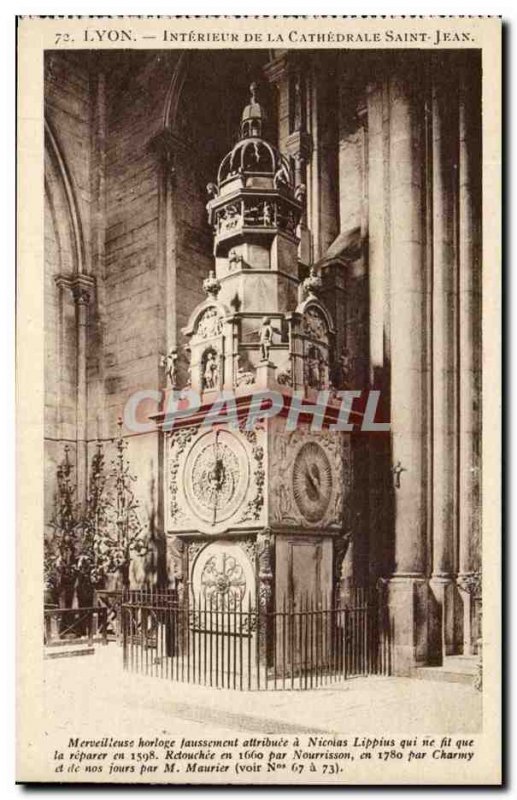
{"x":133,"y":307}
{"x":66,"y":248}
{"x":68,"y":110}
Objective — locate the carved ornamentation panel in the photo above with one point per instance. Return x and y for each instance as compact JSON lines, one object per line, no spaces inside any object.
{"x":222,"y":577}
{"x":209,"y":324}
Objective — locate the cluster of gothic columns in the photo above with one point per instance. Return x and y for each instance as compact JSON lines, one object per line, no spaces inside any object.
{"x":419,"y":118}
{"x":425,"y":297}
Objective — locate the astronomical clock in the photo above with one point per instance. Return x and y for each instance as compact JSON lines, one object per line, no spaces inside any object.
{"x":261,"y":512}
{"x":216,"y":480}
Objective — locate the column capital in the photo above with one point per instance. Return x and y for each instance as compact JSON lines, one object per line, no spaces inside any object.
{"x":81,"y":286}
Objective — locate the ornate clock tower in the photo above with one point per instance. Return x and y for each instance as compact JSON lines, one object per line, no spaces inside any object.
{"x":257,"y":510}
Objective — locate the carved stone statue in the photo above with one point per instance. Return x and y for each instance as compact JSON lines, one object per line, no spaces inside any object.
{"x":266,"y":338}
{"x":169,"y":364}
{"x":210,"y":371}
{"x":346,"y":363}
{"x":314,"y":368}
{"x":268,"y":214}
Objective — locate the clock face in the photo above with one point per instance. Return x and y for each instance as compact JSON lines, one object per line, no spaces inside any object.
{"x":312,"y":481}
{"x":216,"y":476}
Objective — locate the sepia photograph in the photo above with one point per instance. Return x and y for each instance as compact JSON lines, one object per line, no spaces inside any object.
{"x":264,"y":333}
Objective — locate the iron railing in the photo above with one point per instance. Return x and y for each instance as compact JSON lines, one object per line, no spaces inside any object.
{"x":65,"y":626}
{"x":111,"y":599}
{"x":233,"y":643}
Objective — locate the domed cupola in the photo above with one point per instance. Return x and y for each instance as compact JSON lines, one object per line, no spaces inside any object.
{"x":255,"y":192}
{"x":252,"y":117}
{"x":253,"y":156}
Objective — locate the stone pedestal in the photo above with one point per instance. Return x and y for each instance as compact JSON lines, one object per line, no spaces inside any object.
{"x":409,"y":604}
{"x":265,"y":375}
{"x":444,"y":630}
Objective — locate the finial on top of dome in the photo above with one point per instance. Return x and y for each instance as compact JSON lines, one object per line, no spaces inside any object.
{"x":253,"y":116}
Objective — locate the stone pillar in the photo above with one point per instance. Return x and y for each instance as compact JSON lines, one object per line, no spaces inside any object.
{"x":287,"y":73}
{"x":324,"y":127}
{"x":82,"y":298}
{"x":98,"y":423}
{"x":377,"y":200}
{"x":408,"y":591}
{"x":307,"y":100}
{"x":277,"y":73}
{"x":444,"y":144}
{"x":81,"y":286}
{"x":166,"y":146}
{"x":380,"y":488}
{"x":469,"y":329}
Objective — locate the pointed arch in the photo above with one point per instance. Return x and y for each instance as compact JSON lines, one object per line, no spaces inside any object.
{"x":55,"y":152}
{"x":173,"y":96}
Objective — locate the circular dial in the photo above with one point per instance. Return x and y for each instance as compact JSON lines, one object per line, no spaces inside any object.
{"x":312,"y":481}
{"x":216,"y":476}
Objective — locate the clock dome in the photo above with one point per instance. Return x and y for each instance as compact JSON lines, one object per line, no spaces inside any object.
{"x":253,"y":155}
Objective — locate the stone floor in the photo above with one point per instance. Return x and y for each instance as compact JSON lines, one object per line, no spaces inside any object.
{"x":86,"y":693}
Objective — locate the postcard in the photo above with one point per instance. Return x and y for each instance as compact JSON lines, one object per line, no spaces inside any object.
{"x":259,"y":400}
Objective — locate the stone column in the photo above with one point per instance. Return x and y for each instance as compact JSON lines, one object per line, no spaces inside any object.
{"x":277,"y":73}
{"x":408,"y":591}
{"x":324,"y":126}
{"x":287,"y":72}
{"x":378,"y":187}
{"x":469,"y":350}
{"x":81,"y":286}
{"x":377,"y":201}
{"x":169,"y":150}
{"x":444,"y":343}
{"x":82,"y":290}
{"x":166,"y":146}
